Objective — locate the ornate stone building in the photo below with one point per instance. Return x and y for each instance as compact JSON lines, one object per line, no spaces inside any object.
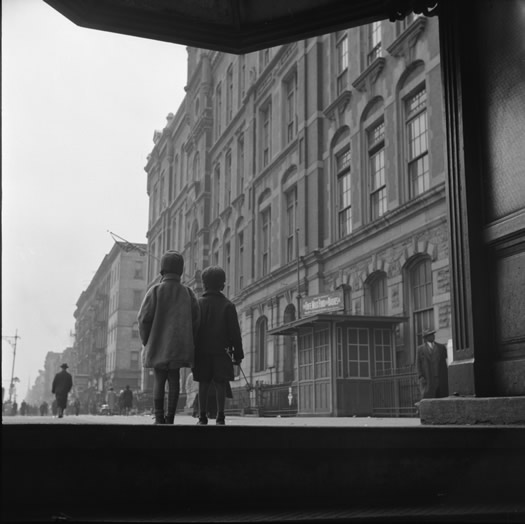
{"x":314,"y":172}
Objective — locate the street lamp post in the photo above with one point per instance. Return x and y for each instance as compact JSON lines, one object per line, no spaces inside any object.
{"x":12,"y":341}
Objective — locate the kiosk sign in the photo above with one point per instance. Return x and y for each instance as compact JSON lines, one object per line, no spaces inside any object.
{"x":323,"y":303}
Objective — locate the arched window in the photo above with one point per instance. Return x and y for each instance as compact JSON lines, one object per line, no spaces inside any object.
{"x":261,"y":344}
{"x":421,"y":298}
{"x":376,"y":294}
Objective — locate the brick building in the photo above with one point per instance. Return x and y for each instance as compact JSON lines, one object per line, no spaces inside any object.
{"x":107,"y":346}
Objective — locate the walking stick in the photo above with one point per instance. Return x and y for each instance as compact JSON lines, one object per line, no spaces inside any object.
{"x":249,"y":387}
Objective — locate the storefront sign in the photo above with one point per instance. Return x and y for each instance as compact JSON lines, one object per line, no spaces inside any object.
{"x":323,"y":303}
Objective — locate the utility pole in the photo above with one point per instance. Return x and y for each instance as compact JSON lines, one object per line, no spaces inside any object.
{"x":12,"y":341}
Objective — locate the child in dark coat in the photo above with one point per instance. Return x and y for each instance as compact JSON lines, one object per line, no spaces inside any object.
{"x":219,"y":331}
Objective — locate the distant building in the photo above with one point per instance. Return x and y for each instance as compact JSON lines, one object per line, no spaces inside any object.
{"x":314,"y":173}
{"x":107,"y":346}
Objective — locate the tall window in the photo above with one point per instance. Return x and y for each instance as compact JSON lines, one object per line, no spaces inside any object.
{"x":291,"y":223}
{"x":242,"y":80}
{"x":228,"y":179}
{"x":341,"y":51}
{"x":382,"y":350}
{"x":261,"y":344}
{"x":344,"y":192}
{"x":266,"y":131}
{"x":215,"y":253}
{"x":217,"y":191}
{"x":229,"y":94}
{"x":240,"y":260}
{"x":227,"y":266}
{"x":134,"y":360}
{"x":374,"y":42}
{"x":358,"y":349}
{"x":218,"y":110}
{"x":192,"y":266}
{"x":170,"y":183}
{"x":376,"y":154}
{"x":265,"y":241}
{"x":417,"y":137}
{"x":291,"y":110}
{"x":137,"y":298}
{"x":139,"y":270}
{"x":135,"y":330}
{"x":421,"y":298}
{"x":240,"y":165}
{"x":378,"y":301}
{"x":196,"y":167}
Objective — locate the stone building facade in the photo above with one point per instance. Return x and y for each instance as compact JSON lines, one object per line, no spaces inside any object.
{"x":313,"y":168}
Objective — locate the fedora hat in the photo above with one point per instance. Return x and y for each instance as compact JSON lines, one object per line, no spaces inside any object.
{"x":428,"y":331}
{"x":64,"y":366}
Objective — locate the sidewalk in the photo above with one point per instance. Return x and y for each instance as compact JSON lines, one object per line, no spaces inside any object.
{"x":186,"y":420}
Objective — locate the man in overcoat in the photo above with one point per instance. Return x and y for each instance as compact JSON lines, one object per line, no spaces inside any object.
{"x":62,"y":384}
{"x":431,"y":363}
{"x":168,"y":321}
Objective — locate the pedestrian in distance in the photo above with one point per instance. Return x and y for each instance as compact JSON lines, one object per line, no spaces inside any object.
{"x":168,"y":321}
{"x":76,"y":406}
{"x":62,"y":384}
{"x":111,"y":401}
{"x":431,"y":363}
{"x":219,"y":331}
{"x":127,"y":400}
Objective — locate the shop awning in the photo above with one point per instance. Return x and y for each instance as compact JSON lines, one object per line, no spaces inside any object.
{"x":291,"y":328}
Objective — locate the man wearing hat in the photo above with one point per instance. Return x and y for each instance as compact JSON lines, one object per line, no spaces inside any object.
{"x":431,"y":361}
{"x":62,"y":384}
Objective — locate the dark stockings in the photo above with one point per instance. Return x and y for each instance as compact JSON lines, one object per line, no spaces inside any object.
{"x":220,"y":388}
{"x":172,"y":376}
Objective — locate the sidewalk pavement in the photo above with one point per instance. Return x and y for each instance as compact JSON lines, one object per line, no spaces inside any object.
{"x":187,"y":420}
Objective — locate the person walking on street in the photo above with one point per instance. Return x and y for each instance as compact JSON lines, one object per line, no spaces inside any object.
{"x":62,"y":384}
{"x":168,"y":321}
{"x":431,"y":362}
{"x":219,"y":331}
{"x":111,"y":401}
{"x":76,"y":405}
{"x":127,"y":400}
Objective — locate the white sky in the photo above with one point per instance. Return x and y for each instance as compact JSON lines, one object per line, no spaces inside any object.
{"x":79,"y":109}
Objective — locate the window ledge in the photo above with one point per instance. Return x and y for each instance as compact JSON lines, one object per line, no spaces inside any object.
{"x":369,"y":76}
{"x":338,"y":106}
{"x":404,"y":45}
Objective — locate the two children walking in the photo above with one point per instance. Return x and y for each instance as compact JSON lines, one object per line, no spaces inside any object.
{"x":177,"y":331}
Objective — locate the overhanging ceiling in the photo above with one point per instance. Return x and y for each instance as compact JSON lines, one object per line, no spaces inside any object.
{"x":231,"y":26}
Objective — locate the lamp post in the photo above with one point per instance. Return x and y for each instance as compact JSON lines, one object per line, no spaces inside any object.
{"x":12,"y":341}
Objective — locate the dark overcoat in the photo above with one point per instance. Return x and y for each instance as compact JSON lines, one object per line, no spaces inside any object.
{"x":219,"y":329}
{"x":62,"y":384}
{"x":432,"y":370}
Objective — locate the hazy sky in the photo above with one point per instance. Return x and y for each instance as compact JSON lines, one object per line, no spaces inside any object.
{"x":79,"y":109}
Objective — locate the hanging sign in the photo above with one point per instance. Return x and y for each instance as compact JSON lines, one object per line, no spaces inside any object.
{"x":324,"y":303}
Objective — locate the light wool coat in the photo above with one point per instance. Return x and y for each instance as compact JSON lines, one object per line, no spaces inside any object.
{"x":168,"y":321}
